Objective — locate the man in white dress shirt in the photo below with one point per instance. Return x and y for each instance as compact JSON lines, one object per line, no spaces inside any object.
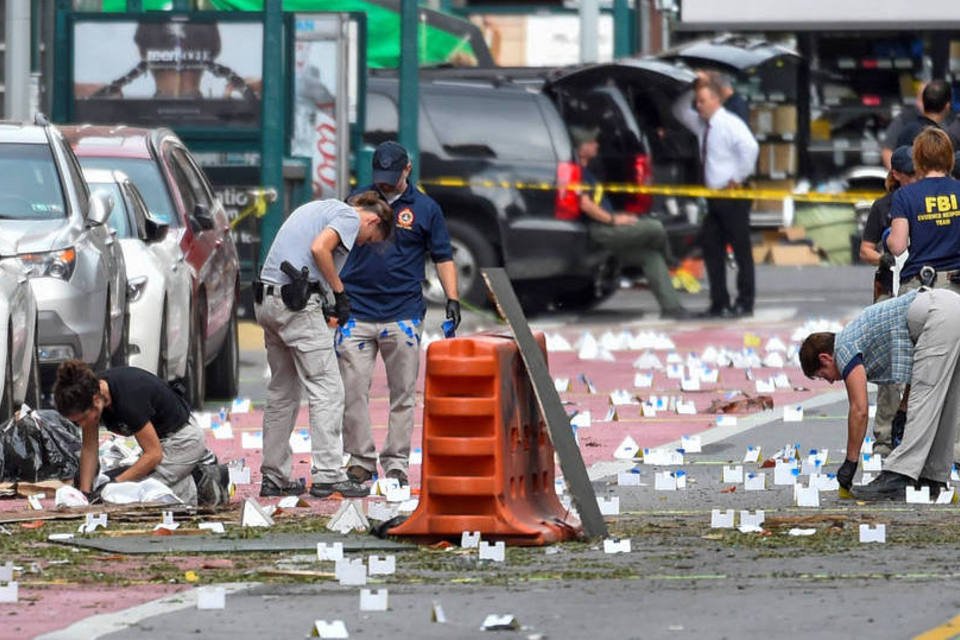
{"x":728,"y":155}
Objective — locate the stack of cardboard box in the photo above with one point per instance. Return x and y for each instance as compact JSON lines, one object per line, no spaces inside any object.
{"x":787,"y":246}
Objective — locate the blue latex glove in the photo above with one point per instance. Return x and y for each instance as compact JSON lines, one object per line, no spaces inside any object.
{"x":883,"y":239}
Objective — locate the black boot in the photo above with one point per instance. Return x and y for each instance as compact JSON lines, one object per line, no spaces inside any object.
{"x":889,"y":485}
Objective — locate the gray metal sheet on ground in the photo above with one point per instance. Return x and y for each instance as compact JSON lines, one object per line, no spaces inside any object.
{"x":280,"y":542}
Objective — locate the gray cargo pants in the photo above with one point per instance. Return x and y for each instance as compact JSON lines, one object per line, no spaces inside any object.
{"x":399,"y":345}
{"x":942,"y":282}
{"x":182,"y":451}
{"x":301,"y":357}
{"x":933,"y":409}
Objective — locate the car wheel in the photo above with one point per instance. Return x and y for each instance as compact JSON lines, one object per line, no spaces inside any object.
{"x":103,"y":359}
{"x":162,"y":371}
{"x":223,"y":374}
{"x":6,"y":398}
{"x":195,"y":368}
{"x":471,"y":252}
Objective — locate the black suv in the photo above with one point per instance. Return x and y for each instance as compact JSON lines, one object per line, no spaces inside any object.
{"x":495,"y":153}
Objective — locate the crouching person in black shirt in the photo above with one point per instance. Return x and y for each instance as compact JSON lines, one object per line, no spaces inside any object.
{"x":133,"y":402}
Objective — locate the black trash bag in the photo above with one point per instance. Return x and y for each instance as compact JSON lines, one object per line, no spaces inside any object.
{"x":40,"y":446}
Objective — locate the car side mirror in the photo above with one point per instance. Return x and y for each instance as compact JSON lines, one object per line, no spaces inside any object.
{"x":201,"y":213}
{"x":155,"y":230}
{"x":101,"y":206}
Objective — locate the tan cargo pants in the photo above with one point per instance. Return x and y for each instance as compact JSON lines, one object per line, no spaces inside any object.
{"x":399,"y":345}
{"x":301,"y":358}
{"x":182,"y":451}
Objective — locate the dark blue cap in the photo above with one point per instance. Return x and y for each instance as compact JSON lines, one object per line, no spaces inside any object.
{"x":389,"y":161}
{"x":902,"y":159}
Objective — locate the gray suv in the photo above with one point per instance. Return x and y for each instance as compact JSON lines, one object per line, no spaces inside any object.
{"x":61,"y":243}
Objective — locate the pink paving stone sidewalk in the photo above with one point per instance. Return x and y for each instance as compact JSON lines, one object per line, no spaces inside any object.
{"x":72,"y":603}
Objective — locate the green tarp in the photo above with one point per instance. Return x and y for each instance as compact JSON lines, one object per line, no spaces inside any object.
{"x":443,"y":39}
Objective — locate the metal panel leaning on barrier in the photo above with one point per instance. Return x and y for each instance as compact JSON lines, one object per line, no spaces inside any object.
{"x":487,"y":457}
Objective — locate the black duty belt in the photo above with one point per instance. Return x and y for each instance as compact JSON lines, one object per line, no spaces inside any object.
{"x":274,"y":289}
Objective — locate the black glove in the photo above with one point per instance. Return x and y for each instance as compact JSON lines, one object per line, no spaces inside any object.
{"x":341,"y":307}
{"x":453,"y":312}
{"x":898,"y":425}
{"x":845,"y":473}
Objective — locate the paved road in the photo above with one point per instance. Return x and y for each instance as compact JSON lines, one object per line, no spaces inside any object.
{"x":682,"y":578}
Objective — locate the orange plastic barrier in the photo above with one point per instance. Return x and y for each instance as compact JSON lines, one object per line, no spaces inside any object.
{"x":488,"y":463}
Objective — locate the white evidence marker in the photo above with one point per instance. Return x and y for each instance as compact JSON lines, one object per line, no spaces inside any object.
{"x":725,"y":420}
{"x":784,"y":472}
{"x":946,"y":496}
{"x":222,"y":431}
{"x":332,"y":551}
{"x":398,"y":494}
{"x":754,"y":519}
{"x":643,"y":380}
{"x":754,"y":482}
{"x":752,"y":454}
{"x":918,"y":496}
{"x":561,"y":384}
{"x":416,"y":457}
{"x":867,"y":446}
{"x":691,"y":444}
{"x":793,"y":413}
{"x":470,"y":539}
{"x":873,"y":534}
{"x":733,"y":474}
{"x":872,"y":462}
{"x":34,"y":501}
{"x":239,"y":475}
{"x":582,"y":420}
{"x":807,"y":496}
{"x":385,"y":566}
{"x":628,"y":479}
{"x":721,"y":519}
{"x":212,"y":597}
{"x":613,"y":545}
{"x":251,"y":439}
{"x":333,"y":630}
{"x":240,"y":405}
{"x":626,"y":450}
{"x":213,"y":527}
{"x":765,"y":386}
{"x":9,"y":593}
{"x":6,"y":572}
{"x":495,"y":552}
{"x":664,"y":481}
{"x":92,"y":521}
{"x":609,"y":506}
{"x":690,"y":384}
{"x":373,"y":600}
{"x":351,"y":573}
{"x":686,"y":408}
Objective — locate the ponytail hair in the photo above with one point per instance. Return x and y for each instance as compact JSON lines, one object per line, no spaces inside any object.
{"x":75,"y":387}
{"x":372,"y":201}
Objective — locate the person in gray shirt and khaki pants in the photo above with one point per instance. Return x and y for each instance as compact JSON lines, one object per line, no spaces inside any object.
{"x":312,"y":245}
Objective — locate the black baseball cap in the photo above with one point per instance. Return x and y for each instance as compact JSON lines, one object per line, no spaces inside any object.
{"x":389,"y":161}
{"x":902,"y":159}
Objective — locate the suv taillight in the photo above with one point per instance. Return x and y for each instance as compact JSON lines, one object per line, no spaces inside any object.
{"x":641,"y":202}
{"x":567,"y":204}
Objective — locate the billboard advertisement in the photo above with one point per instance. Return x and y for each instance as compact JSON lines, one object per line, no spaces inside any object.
{"x":167,"y":71}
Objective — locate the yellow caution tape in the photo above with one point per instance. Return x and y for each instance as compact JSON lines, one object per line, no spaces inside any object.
{"x":691,"y":191}
{"x":257,"y":206}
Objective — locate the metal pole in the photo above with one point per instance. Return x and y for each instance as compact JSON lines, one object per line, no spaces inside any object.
{"x":16,"y":68}
{"x":643,"y":27}
{"x":621,"y":29}
{"x":272,"y":121}
{"x":409,"y":83}
{"x":589,"y":17}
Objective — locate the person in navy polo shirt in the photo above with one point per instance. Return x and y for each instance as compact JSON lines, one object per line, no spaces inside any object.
{"x":385,"y":288}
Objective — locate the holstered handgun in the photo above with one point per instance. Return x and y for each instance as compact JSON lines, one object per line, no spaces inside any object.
{"x":296,"y":292}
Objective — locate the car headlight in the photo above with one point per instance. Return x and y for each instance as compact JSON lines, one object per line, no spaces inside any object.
{"x":50,"y":264}
{"x":135,"y":288}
